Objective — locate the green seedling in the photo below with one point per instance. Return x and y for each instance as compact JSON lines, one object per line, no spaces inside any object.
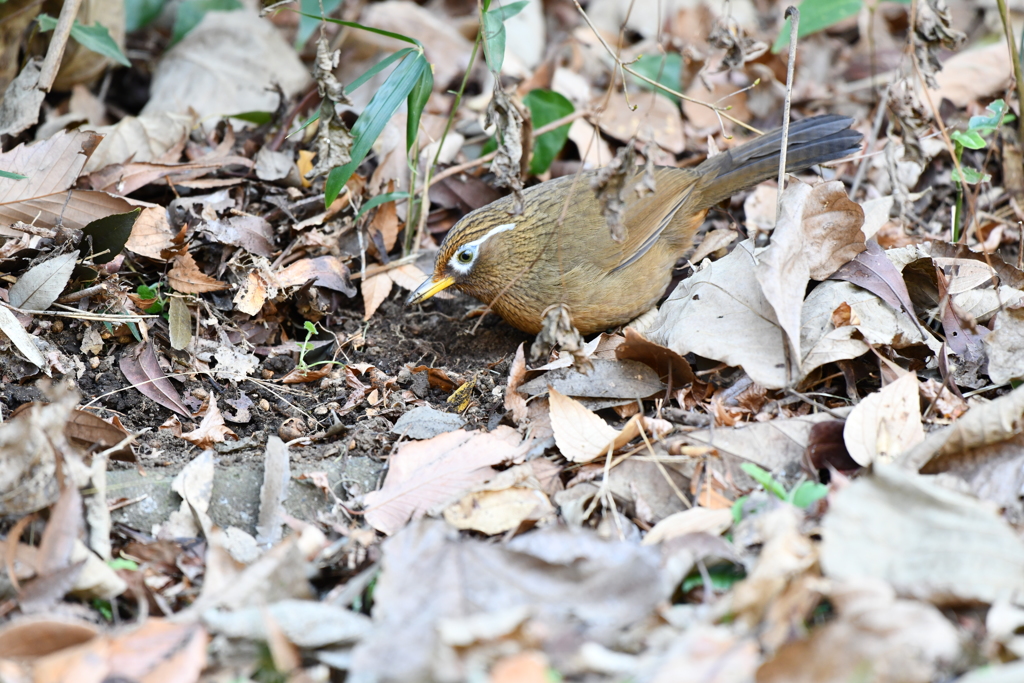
{"x":802,"y":496}
{"x":978,"y":128}
{"x":306,"y":346}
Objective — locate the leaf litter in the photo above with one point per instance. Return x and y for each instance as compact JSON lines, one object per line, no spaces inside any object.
{"x":804,"y":466}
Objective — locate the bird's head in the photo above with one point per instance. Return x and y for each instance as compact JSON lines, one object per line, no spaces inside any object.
{"x":465,"y":254}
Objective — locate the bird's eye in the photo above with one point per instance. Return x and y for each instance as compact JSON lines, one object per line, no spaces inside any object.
{"x":465,"y":256}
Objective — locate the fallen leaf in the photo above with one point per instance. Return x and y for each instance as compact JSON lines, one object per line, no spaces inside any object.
{"x":581,"y":435}
{"x":185,"y":277}
{"x":696,"y":520}
{"x":885,"y":423}
{"x":925,"y":540}
{"x":426,"y":474}
{"x":211,"y":430}
{"x":375,"y":290}
{"x":142,"y":370}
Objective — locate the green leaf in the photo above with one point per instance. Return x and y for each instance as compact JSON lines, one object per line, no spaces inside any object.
{"x":147,"y":292}
{"x":493,"y":27}
{"x":986,"y":124}
{"x":737,"y":509}
{"x":260,"y":118}
{"x":121,"y":563}
{"x":417,"y":102}
{"x":723,"y":577}
{"x":970,"y":139}
{"x":311,"y":18}
{"x":807,"y":493}
{"x":110,"y":234}
{"x":95,"y":38}
{"x":371,"y":122}
{"x":547,"y":106}
{"x":352,"y":24}
{"x":510,"y":10}
{"x":377,"y":68}
{"x":666,"y":69}
{"x":764,"y":479}
{"x":816,"y":15}
{"x":191,"y":12}
{"x":381,"y":199}
{"x":971,"y":176}
{"x":494,"y":41}
{"x":12,"y":176}
{"x":140,"y":13}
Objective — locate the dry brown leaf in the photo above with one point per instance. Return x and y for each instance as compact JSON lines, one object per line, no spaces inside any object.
{"x":898,"y":641}
{"x":972,"y":75}
{"x":325,"y":271}
{"x":211,"y":430}
{"x":142,"y":138}
{"x":721,"y":313}
{"x":157,"y":651}
{"x":655,"y":120}
{"x":495,"y":512}
{"x":818,"y":231}
{"x":581,"y":435}
{"x":515,"y":402}
{"x":886,"y":423}
{"x":185,"y":277}
{"x":51,"y":166}
{"x":426,"y":474}
{"x":151,"y":234}
{"x":375,"y":290}
{"x":696,"y":520}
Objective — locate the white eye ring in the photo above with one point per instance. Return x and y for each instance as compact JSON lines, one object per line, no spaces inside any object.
{"x":464,"y":258}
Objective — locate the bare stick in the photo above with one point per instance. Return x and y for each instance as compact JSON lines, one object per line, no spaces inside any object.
{"x":793,"y":14}
{"x":54,"y":53}
{"x":1015,"y":58}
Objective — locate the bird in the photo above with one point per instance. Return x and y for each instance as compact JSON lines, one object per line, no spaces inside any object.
{"x":521,"y":265}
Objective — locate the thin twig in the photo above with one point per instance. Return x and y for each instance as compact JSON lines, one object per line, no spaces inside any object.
{"x":793,"y":14}
{"x":1015,"y":58}
{"x":55,"y":53}
{"x":622,"y":65}
{"x":876,"y":129}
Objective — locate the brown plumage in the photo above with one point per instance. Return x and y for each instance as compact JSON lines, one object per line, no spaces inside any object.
{"x":521,"y":265}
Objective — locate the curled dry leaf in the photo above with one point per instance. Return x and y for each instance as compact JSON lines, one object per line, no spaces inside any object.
{"x":515,"y":402}
{"x":885,"y":423}
{"x":696,"y":520}
{"x":581,"y":435}
{"x":325,"y":271}
{"x":818,"y":231}
{"x":983,"y":425}
{"x":185,"y":277}
{"x":211,"y":430}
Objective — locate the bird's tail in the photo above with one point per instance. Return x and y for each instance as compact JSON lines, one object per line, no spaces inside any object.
{"x":811,"y":141}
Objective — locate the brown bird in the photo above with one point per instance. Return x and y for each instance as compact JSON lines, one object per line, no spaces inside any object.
{"x":521,"y":265}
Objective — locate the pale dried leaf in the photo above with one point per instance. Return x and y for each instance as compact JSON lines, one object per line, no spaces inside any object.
{"x":818,"y":231}
{"x":925,"y":540}
{"x":696,"y":520}
{"x":10,"y":326}
{"x":581,"y":435}
{"x":1005,"y":346}
{"x":425,"y":474}
{"x":983,"y":425}
{"x":886,"y":423}
{"x":375,"y":290}
{"x":721,"y":313}
{"x":42,"y":284}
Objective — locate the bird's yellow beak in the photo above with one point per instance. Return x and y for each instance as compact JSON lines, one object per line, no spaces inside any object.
{"x":429,"y":288}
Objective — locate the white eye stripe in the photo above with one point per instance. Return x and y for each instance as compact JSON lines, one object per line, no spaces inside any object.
{"x":473,"y":247}
{"x":493,"y":231}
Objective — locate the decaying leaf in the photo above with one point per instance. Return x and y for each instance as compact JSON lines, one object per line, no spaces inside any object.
{"x":187,"y":278}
